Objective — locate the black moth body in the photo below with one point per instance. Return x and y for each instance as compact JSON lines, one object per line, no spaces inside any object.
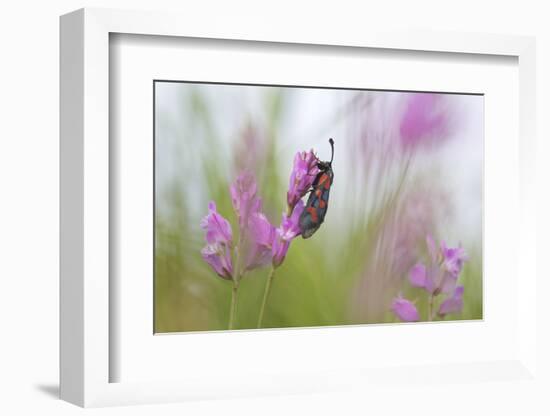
{"x":317,"y":204}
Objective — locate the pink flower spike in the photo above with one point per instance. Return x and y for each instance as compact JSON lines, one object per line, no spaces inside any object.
{"x":404,"y":309}
{"x":217,"y":252}
{"x":302,"y":176}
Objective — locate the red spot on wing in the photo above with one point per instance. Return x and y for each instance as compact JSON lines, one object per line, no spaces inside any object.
{"x":318,"y":193}
{"x":322,"y":179}
{"x":327,"y":183}
{"x":322,"y":203}
{"x":313,"y":212}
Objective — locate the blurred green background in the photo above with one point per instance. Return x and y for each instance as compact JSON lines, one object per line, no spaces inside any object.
{"x":384,"y":201}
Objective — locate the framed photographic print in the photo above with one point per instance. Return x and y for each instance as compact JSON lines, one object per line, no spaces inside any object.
{"x":326,"y":212}
{"x":402,"y":240}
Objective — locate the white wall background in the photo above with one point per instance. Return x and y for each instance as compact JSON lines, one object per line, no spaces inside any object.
{"x":29,"y":210}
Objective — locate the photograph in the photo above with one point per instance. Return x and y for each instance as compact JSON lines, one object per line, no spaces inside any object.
{"x":279,"y":206}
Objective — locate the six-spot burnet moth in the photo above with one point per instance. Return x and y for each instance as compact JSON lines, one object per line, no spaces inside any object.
{"x":317,"y":204}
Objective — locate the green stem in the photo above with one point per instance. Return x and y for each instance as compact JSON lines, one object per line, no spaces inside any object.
{"x":233,"y":307}
{"x":266,"y":294}
{"x":430,"y":306}
{"x":236,"y":280}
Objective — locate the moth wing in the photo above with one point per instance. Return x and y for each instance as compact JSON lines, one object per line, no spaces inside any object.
{"x":309,"y":220}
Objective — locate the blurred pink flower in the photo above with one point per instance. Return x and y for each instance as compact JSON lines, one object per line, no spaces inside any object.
{"x":424,"y":120}
{"x":396,"y":249}
{"x":441,"y":272}
{"x":404,"y":309}
{"x":302,"y":177}
{"x":453,"y":304}
{"x":217,"y":252}
{"x":244,"y":199}
{"x":453,"y":259}
{"x":251,"y":149}
{"x":417,"y":215}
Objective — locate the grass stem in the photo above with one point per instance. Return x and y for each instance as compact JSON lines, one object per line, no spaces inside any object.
{"x":233,"y":308}
{"x":266,"y":295}
{"x":430,"y":306}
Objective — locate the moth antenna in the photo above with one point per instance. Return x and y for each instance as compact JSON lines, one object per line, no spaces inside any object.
{"x":332,"y":149}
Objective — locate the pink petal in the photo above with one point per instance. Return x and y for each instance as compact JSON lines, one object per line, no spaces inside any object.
{"x":417,"y":276}
{"x":453,"y":304}
{"x":405,"y":310}
{"x":280,"y":248}
{"x":218,"y":257}
{"x":290,"y":226}
{"x":260,"y":237}
{"x":218,"y":229}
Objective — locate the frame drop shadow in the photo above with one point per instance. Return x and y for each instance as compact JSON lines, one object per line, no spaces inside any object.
{"x":51,"y":390}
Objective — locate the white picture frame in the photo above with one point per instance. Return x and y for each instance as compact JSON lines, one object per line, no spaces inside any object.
{"x":85,"y":177}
